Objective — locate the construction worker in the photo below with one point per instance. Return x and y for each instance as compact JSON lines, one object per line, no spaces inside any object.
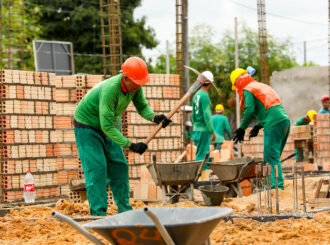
{"x":203,"y":131}
{"x":262,"y":102}
{"x":305,"y":120}
{"x":325,"y":100}
{"x":221,"y":125}
{"x":100,"y":143}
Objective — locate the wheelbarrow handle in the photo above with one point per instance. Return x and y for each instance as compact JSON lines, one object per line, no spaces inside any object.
{"x":162,"y":230}
{"x":77,"y":227}
{"x":201,"y":166}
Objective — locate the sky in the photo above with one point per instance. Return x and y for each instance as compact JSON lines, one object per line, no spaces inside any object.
{"x":301,"y":20}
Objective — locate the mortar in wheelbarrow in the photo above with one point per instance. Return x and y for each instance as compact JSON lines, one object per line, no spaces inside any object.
{"x":213,"y":194}
{"x":186,"y":226}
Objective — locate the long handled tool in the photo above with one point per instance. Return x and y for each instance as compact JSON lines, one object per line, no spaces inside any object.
{"x":201,"y":79}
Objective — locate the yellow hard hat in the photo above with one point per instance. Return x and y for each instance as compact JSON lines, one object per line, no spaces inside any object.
{"x":311,"y":114}
{"x":234,"y":75}
{"x":219,"y":107}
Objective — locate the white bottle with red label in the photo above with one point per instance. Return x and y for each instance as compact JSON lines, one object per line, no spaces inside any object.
{"x":29,"y":191}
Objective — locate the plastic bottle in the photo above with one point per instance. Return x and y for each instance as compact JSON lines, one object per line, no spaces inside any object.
{"x":250,"y":70}
{"x":29,"y":191}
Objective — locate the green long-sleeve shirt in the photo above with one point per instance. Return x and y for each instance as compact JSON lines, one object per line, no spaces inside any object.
{"x":266,"y":117}
{"x":221,"y":125}
{"x":201,"y":112}
{"x":103,"y":104}
{"x":301,"y":121}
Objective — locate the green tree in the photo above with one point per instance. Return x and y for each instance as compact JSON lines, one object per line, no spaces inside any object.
{"x":78,"y":21}
{"x":205,"y":54}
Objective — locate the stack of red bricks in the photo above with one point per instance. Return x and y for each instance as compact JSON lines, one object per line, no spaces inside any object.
{"x":162,"y":94}
{"x":27,"y":125}
{"x":321,"y":140}
{"x":69,"y":91}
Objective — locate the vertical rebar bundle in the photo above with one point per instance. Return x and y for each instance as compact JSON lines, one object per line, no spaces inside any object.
{"x":180,"y":44}
{"x":263,"y":50}
{"x":111,"y":36}
{"x":12,"y":34}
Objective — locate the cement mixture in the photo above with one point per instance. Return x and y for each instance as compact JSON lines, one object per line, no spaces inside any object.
{"x":33,"y":225}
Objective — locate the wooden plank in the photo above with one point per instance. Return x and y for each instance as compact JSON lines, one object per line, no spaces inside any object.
{"x":77,"y":184}
{"x":319,"y":202}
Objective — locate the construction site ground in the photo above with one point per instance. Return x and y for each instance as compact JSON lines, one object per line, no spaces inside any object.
{"x":33,"y":225}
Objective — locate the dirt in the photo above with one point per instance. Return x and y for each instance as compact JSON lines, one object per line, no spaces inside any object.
{"x":33,"y":225}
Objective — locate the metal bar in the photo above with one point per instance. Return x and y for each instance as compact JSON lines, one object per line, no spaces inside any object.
{"x":293,"y":186}
{"x":77,"y":227}
{"x":270,"y":188}
{"x":264,"y":187}
{"x":276,"y":188}
{"x":257,"y":188}
{"x":303,"y":187}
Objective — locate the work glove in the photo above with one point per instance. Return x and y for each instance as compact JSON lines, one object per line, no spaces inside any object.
{"x":255,"y":130}
{"x":162,"y":118}
{"x":239,"y":135}
{"x":138,"y":147}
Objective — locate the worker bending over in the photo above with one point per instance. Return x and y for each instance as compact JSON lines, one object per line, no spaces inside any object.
{"x":99,"y":141}
{"x":221,"y":125}
{"x":262,"y":102}
{"x":203,"y":131}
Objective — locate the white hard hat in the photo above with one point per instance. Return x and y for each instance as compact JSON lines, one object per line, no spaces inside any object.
{"x":188,"y":124}
{"x":209,"y":76}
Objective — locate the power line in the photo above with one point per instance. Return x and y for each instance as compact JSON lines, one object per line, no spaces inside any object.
{"x":277,"y":15}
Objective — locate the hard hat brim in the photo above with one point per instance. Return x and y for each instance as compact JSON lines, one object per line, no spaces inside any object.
{"x":141,"y":81}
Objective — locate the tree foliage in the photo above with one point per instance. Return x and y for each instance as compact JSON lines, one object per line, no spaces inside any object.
{"x":79,"y":22}
{"x":219,"y":58}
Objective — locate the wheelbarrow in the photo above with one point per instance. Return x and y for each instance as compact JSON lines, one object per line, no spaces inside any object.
{"x":153,"y":226}
{"x":176,"y":179}
{"x":231,"y":173}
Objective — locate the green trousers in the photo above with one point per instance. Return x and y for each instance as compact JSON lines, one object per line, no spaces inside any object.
{"x":274,"y":142}
{"x":217,"y":146}
{"x":103,"y":162}
{"x":202,"y":141}
{"x":301,"y":155}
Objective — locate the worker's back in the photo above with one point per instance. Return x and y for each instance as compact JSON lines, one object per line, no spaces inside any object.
{"x":201,"y":112}
{"x":221,"y":125}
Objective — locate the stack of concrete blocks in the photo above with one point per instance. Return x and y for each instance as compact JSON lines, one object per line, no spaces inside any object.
{"x":321,"y":140}
{"x":27,"y":126}
{"x":162,"y":94}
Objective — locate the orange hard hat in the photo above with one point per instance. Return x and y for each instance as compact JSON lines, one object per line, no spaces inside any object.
{"x":136,"y":69}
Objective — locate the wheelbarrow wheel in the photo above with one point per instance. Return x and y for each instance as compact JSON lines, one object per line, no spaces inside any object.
{"x":231,"y":192}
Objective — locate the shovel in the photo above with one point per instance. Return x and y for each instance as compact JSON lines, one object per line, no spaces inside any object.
{"x":201,"y":79}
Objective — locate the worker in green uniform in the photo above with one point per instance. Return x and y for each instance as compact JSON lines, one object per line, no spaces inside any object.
{"x":262,"y":102}
{"x":99,"y":141}
{"x":203,"y":131}
{"x":221,"y":126}
{"x":305,"y":120}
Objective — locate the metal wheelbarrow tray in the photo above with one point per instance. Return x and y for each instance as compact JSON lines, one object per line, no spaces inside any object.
{"x":186,"y":226}
{"x":167,"y":175}
{"x":231,"y":173}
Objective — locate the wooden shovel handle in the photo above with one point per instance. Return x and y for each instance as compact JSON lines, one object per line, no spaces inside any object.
{"x":169,"y":116}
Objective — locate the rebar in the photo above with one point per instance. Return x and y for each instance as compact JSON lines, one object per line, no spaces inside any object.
{"x":180,"y":41}
{"x":263,"y":47}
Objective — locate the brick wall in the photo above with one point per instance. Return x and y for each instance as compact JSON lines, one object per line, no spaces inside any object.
{"x":319,"y":133}
{"x":27,"y":125}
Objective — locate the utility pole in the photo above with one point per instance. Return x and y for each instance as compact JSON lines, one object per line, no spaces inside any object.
{"x":305,"y":58}
{"x":167,"y":58}
{"x":238,"y":115}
